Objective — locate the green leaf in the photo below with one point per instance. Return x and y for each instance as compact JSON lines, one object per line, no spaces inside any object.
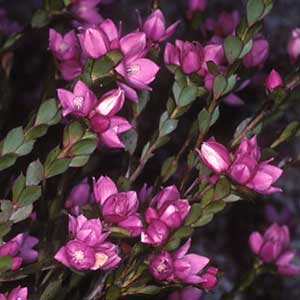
{"x":222,"y":189}
{"x":123,"y":184}
{"x":231,"y":81}
{"x":215,"y":116}
{"x":13,"y":140}
{"x":187,"y":95}
{"x":85,"y":147}
{"x":35,"y":173}
{"x":18,"y":187}
{"x":79,"y":161}
{"x":168,"y":127}
{"x":194,"y":214}
{"x":5,"y":229}
{"x":233,"y":47}
{"x":130,"y":138}
{"x":46,"y":112}
{"x":36,"y":132}
{"x":113,"y":293}
{"x":247,"y":48}
{"x":219,"y":86}
{"x":287,"y":133}
{"x":5,"y":263}
{"x":73,"y":133}
{"x":203,"y":120}
{"x":26,"y":148}
{"x":215,"y":207}
{"x":232,"y":198}
{"x":7,"y":161}
{"x":57,"y":167}
{"x":144,"y":98}
{"x":213,"y":68}
{"x":205,"y":219}
{"x":6,"y":210}
{"x":169,"y":167}
{"x":52,"y":289}
{"x":40,"y":19}
{"x":255,"y":10}
{"x":29,"y":195}
{"x":119,"y":232}
{"x":52,"y":156}
{"x":21,"y":213}
{"x":183,"y":232}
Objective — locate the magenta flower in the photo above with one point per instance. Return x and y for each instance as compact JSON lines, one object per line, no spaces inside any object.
{"x":112,"y":33}
{"x":94,"y":42}
{"x":170,"y":209}
{"x":70,"y":69}
{"x":161,"y":266}
{"x":294,"y":45}
{"x":156,"y":233}
{"x":88,"y":250}
{"x":17,"y":293}
{"x":215,"y":156}
{"x":189,"y":56}
{"x":273,"y":80}
{"x":258,"y":54}
{"x":86,"y":11}
{"x":155,"y":27}
{"x":118,"y":208}
{"x":272,"y":247}
{"x":64,"y":47}
{"x":138,"y":72}
{"x":79,"y":196}
{"x":108,"y":129}
{"x":196,"y":5}
{"x":191,"y":293}
{"x":213,"y":52}
{"x":210,"y":277}
{"x":78,"y":103}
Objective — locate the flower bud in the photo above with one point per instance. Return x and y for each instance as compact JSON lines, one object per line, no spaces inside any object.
{"x":294,"y":45}
{"x":215,"y":156}
{"x":273,"y":80}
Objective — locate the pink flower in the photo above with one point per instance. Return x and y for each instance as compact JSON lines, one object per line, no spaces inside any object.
{"x":294,"y":45}
{"x":190,"y":293}
{"x":86,"y":11}
{"x":70,"y":69}
{"x":79,"y":103}
{"x":170,"y":209}
{"x":273,"y":80}
{"x":155,"y":27}
{"x":64,"y":47}
{"x":258,"y":54}
{"x":137,"y":71}
{"x":272,"y":247}
{"x":119,"y":208}
{"x":88,"y":250}
{"x":189,"y":56}
{"x":213,"y":52}
{"x":215,"y":156}
{"x":94,"y":42}
{"x":210,"y":277}
{"x":112,"y":33}
{"x":196,"y":5}
{"x":156,"y":233}
{"x":17,"y":293}
{"x":161,"y":266}
{"x":79,"y":196}
{"x":108,"y":129}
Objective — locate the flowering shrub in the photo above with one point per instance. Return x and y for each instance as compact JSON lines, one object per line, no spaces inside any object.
{"x":120,"y":159}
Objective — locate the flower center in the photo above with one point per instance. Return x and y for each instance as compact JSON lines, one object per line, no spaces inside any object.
{"x":161,"y":267}
{"x":78,"y":102}
{"x":79,"y":256}
{"x":101,"y":259}
{"x":133,"y":69}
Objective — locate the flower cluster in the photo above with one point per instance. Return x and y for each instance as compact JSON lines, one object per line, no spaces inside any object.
{"x":188,"y":268}
{"x":272,"y":247}
{"x":20,"y":249}
{"x":245,"y":168}
{"x":88,"y":249}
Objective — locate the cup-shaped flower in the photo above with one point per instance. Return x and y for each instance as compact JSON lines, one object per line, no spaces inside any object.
{"x":273,"y":80}
{"x":156,"y":233}
{"x":18,"y":293}
{"x":215,"y":156}
{"x":104,"y":187}
{"x":64,"y":47}
{"x":213,"y":52}
{"x":170,"y":209}
{"x":272,"y":247}
{"x":85,"y":11}
{"x":79,"y":196}
{"x":106,"y":256}
{"x":94,"y":42}
{"x":155,"y":27}
{"x":112,"y":33}
{"x":161,"y":266}
{"x":294,"y":45}
{"x":79,"y":102}
{"x":87,"y":231}
{"x":188,"y":266}
{"x":110,"y":103}
{"x":258,"y":54}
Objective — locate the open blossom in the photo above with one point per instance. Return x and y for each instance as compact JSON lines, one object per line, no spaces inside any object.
{"x":258,"y":54}
{"x":155,"y":234}
{"x":190,"y":293}
{"x":79,"y":102}
{"x":188,"y":268}
{"x":18,"y":293}
{"x":155,"y":27}
{"x":20,"y":248}
{"x":273,"y":80}
{"x":272,"y":247}
{"x":137,"y":71}
{"x":294,"y":45}
{"x":79,"y":195}
{"x":189,"y":56}
{"x":118,"y":208}
{"x":88,"y":249}
{"x":245,"y":168}
{"x":86,"y":11}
